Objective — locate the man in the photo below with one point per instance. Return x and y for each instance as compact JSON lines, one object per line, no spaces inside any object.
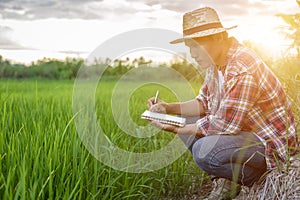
{"x":245,"y":125}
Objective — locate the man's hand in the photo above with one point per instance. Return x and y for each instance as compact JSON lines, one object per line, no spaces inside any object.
{"x":159,"y":107}
{"x":189,"y":108}
{"x":164,"y":127}
{"x":187,"y":129}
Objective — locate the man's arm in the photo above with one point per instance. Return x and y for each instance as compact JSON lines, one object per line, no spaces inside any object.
{"x":189,"y":108}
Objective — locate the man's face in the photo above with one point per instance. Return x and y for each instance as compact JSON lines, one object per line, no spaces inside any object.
{"x":204,"y":52}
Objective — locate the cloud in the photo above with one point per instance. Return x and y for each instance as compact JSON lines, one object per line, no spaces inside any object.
{"x":70,"y":9}
{"x":229,"y":8}
{"x":103,"y":9}
{"x":184,"y":6}
{"x":174,"y":5}
{"x":36,"y":9}
{"x":6,"y":42}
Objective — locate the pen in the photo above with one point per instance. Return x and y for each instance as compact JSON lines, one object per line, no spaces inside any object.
{"x":156,"y":95}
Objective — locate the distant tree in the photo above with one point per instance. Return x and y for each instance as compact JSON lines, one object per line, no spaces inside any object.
{"x":142,"y":61}
{"x":260,"y":51}
{"x":293,"y":30}
{"x":188,"y":71}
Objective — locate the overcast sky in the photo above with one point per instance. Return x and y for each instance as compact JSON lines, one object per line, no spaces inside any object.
{"x":30,"y":29}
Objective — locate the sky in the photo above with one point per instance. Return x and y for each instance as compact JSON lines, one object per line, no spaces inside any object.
{"x":33,"y":29}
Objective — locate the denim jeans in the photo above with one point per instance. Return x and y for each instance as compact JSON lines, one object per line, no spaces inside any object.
{"x":239,"y":158}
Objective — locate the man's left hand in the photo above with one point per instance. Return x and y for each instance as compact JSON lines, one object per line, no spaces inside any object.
{"x":187,"y":129}
{"x":165,"y":127}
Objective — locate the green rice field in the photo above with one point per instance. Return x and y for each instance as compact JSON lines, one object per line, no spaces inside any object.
{"x":43,"y":157}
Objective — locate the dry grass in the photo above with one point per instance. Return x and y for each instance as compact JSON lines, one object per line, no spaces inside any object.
{"x":278,"y":185}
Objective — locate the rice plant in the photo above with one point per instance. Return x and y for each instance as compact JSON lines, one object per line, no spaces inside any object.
{"x":42,"y":156}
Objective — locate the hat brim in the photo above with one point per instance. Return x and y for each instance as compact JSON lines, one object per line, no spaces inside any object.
{"x":201,"y":34}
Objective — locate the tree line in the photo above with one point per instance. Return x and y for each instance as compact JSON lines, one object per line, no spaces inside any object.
{"x":288,"y":66}
{"x":68,"y":69}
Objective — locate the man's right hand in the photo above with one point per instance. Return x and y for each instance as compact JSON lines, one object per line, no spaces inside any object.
{"x":159,"y":107}
{"x":189,"y":108}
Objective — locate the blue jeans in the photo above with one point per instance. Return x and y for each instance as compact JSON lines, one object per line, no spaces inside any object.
{"x":239,"y":158}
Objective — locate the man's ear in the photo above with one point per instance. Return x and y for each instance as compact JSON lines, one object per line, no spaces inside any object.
{"x":218,"y":37}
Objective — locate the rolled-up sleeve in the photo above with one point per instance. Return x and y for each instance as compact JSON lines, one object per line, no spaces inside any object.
{"x":203,"y":123}
{"x":203,"y":98}
{"x":239,"y":97}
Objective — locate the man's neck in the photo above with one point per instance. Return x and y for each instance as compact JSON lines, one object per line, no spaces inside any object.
{"x":221,"y":61}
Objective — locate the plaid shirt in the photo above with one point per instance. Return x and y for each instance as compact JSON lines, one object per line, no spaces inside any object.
{"x":252,"y":99}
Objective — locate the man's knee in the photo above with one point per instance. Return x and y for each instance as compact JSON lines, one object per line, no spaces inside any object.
{"x":200,"y":160}
{"x":203,"y":152}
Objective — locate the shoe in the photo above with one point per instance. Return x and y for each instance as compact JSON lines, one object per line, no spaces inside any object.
{"x":224,"y":189}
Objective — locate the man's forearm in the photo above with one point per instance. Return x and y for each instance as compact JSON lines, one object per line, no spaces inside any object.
{"x":190,"y":129}
{"x":189,"y":108}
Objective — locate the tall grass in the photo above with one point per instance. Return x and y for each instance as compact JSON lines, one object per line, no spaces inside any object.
{"x":42,"y":157}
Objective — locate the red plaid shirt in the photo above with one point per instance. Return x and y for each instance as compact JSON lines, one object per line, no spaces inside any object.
{"x":252,"y":100}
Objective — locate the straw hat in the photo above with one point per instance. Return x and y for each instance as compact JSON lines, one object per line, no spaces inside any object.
{"x":199,"y":23}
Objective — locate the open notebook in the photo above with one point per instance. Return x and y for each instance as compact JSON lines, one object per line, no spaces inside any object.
{"x":164,"y":118}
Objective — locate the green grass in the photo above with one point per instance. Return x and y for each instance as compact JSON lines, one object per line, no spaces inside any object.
{"x":42,"y":156}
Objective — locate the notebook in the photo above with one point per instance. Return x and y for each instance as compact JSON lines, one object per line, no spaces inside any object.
{"x":164,"y":118}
